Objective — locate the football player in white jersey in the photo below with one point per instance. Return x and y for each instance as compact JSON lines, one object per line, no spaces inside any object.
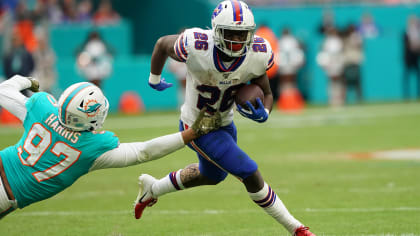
{"x":219,"y":61}
{"x":60,"y":142}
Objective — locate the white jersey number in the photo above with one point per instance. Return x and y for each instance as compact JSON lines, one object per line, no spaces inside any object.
{"x":37,"y":143}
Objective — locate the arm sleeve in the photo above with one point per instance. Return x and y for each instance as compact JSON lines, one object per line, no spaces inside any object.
{"x":269,"y":55}
{"x":270,"y":61}
{"x":11,"y":98}
{"x":128,"y":154}
{"x":180,"y":47}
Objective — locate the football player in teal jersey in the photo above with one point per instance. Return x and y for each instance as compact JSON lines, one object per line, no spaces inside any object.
{"x":61,"y":142}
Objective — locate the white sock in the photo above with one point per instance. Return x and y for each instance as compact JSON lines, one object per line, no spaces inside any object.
{"x":168,"y":184}
{"x":271,"y":203}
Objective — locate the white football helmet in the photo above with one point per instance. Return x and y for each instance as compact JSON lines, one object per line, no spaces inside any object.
{"x":233,"y":15}
{"x":82,"y":107}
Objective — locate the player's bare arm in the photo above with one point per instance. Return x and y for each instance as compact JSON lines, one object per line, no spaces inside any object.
{"x":164,"y":47}
{"x":264,"y":84}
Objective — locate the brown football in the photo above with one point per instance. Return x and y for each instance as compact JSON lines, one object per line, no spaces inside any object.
{"x":249,"y":92}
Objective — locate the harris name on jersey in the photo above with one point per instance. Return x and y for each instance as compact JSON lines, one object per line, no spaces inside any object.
{"x":53,"y":122}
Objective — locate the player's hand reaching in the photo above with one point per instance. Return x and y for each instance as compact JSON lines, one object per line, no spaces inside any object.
{"x":206,"y":123}
{"x":162,"y":85}
{"x":259,"y":113}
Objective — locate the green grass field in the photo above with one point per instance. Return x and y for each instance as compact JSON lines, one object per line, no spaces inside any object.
{"x":321,"y":163}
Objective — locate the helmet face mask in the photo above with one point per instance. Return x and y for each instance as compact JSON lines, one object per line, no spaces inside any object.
{"x":236,"y":41}
{"x":233,"y":26}
{"x":82,"y":107}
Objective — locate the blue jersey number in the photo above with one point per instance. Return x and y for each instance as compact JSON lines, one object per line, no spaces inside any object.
{"x":201,"y":41}
{"x":259,"y":45}
{"x":209,"y":95}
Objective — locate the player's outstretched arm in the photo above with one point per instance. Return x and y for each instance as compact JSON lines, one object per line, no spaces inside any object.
{"x":11,"y":98}
{"x":164,"y":47}
{"x":128,"y":154}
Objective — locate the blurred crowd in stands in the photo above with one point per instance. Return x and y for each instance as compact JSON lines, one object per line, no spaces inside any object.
{"x":326,"y":2}
{"x":411,"y":43}
{"x":24,"y":30}
{"x":341,"y":56}
{"x":59,"y":11}
{"x":26,"y":49}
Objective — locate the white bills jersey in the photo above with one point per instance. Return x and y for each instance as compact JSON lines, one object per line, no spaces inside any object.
{"x":212,"y":82}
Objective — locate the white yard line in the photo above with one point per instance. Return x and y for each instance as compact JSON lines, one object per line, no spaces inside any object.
{"x":314,"y":115}
{"x":394,"y":190}
{"x":210,"y":211}
{"x":91,"y":194}
{"x":311,"y":117}
{"x":277,"y":119}
{"x":350,"y":210}
{"x":409,"y":154}
{"x":399,"y":154}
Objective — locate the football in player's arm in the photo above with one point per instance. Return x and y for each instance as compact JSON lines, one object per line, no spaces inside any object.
{"x":219,"y":61}
{"x":61,"y":142}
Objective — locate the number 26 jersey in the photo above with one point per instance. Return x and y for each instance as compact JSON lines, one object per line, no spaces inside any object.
{"x":211,"y":82}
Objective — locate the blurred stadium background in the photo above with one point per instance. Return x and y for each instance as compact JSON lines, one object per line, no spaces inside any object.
{"x":347,"y":171}
{"x":132,"y":37}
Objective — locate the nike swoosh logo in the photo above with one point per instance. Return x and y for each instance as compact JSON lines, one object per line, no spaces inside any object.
{"x":247,"y":112}
{"x":140,"y":200}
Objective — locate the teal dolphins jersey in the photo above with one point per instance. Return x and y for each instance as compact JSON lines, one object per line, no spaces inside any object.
{"x":49,"y":157}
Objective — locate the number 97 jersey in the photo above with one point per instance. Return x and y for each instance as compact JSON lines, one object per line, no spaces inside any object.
{"x":211,"y":82}
{"x":49,"y":157}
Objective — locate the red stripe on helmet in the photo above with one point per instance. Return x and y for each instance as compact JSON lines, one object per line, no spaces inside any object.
{"x":237,"y":10}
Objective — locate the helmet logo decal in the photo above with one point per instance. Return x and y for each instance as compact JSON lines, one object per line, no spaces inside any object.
{"x":217,"y":11}
{"x":91,"y":108}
